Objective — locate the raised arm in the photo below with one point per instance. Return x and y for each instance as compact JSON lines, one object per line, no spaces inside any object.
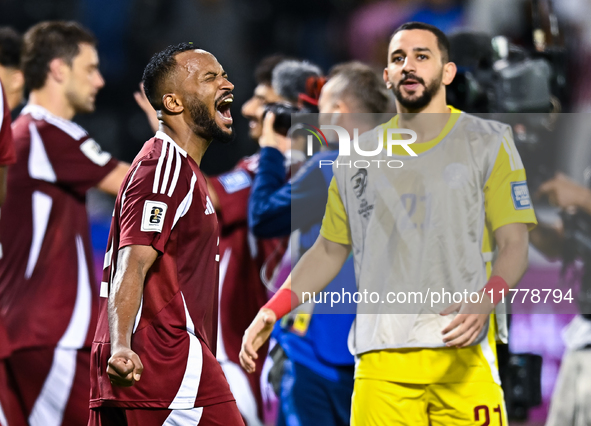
{"x":112,"y":182}
{"x":125,"y":367}
{"x":315,"y":270}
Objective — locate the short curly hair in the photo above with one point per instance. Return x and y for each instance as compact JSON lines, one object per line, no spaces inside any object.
{"x":47,"y":41}
{"x":160,"y":67}
{"x":442,"y":41}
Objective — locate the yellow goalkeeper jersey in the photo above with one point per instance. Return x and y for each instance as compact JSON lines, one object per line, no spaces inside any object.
{"x":501,"y":192}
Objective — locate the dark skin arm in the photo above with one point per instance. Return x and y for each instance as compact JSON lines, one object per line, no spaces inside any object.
{"x":125,"y":367}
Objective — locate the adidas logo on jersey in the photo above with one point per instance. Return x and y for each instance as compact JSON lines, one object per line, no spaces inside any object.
{"x":208,"y":206}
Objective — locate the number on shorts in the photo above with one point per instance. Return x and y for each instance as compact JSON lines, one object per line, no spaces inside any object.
{"x":486,"y":419}
{"x":498,"y":410}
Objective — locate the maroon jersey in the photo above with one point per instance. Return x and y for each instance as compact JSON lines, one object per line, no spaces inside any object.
{"x":243,"y":259}
{"x":164,"y":203}
{"x":47,"y":288}
{"x":7,"y":154}
{"x":7,"y":157}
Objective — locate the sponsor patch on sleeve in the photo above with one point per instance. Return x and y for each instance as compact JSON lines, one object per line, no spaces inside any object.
{"x":93,"y":151}
{"x":153,"y":216}
{"x":235,"y":181}
{"x":520,"y":195}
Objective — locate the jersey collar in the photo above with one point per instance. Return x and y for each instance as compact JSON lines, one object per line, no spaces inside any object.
{"x":163,"y":136}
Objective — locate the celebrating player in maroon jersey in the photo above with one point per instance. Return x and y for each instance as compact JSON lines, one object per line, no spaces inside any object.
{"x":242,"y":292}
{"x":47,"y":288}
{"x":153,"y":357}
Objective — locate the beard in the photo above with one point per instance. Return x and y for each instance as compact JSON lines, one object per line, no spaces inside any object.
{"x":80,"y":104}
{"x":204,"y":124}
{"x":421,"y":101}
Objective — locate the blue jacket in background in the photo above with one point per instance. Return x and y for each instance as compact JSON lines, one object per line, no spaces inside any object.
{"x":276,"y":209}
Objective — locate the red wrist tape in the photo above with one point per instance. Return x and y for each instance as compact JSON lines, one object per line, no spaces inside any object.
{"x":497,"y":288}
{"x":282,"y":302}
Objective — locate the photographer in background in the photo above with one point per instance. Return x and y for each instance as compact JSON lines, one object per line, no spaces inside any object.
{"x":570,"y":400}
{"x":298,"y":83}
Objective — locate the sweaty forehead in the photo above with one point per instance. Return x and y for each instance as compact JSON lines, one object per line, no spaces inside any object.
{"x":410,"y":39}
{"x":197,"y":62}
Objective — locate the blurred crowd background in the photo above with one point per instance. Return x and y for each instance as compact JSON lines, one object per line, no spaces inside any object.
{"x":241,"y":32}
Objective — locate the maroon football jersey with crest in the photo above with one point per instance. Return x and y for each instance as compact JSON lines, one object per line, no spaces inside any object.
{"x":47,"y":287}
{"x":164,"y":203}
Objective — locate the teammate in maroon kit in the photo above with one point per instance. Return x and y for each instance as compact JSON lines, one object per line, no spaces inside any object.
{"x":158,"y":314}
{"x":9,"y":412}
{"x":47,"y":288}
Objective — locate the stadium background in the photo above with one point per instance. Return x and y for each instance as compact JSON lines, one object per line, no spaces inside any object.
{"x":241,"y":32}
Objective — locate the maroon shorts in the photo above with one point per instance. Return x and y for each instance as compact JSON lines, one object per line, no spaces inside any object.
{"x":10,"y":412}
{"x":223,"y":414}
{"x":52,"y":385}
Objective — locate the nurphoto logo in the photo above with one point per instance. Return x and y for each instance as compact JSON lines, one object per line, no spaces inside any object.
{"x":345,"y":146}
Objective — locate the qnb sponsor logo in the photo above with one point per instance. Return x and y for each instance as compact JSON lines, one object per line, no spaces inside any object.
{"x":345,"y":146}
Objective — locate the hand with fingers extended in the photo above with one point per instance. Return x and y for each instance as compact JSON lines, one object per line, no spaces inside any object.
{"x":463,"y":330}
{"x":566,"y":193}
{"x":124,"y":367}
{"x":254,"y":337}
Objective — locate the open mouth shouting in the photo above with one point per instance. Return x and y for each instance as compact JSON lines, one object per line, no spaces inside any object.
{"x":223,"y":105}
{"x":411,"y":83}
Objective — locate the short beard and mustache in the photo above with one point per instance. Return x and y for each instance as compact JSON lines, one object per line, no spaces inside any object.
{"x":423,"y":100}
{"x":78,"y":103}
{"x":204,"y":124}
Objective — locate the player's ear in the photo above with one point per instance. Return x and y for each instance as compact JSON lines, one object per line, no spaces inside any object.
{"x":449,"y":73}
{"x":172,"y":104}
{"x":58,"y":69}
{"x":386,"y":79}
{"x":341,"y":107}
{"x":17,"y":81}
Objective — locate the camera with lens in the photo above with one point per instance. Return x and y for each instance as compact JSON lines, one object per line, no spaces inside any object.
{"x":283,"y":112}
{"x":495,"y":76}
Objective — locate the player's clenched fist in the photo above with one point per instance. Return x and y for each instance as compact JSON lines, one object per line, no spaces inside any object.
{"x":124,"y":368}
{"x":254,"y":337}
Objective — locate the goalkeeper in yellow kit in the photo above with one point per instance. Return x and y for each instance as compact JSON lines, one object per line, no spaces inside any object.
{"x":432,"y":224}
